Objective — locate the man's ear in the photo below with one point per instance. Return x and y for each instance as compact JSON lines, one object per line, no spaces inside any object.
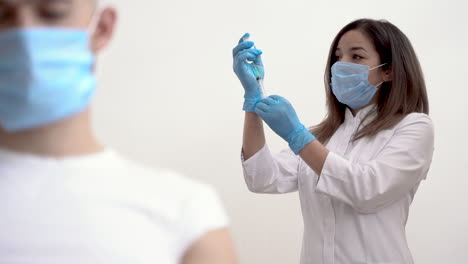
{"x":387,"y":75}
{"x":104,"y":30}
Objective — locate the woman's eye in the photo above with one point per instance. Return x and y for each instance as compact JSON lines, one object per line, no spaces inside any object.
{"x":357,"y":57}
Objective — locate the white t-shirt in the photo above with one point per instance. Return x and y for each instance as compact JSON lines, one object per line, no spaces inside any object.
{"x":99,"y":208}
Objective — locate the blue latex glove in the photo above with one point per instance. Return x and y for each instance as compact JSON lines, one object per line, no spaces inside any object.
{"x":280,"y":116}
{"x":248,"y":73}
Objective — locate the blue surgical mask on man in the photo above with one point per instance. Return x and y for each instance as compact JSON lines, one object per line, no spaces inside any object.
{"x":350,"y":84}
{"x":46,"y":75}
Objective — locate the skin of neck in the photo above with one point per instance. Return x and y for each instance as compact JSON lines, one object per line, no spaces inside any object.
{"x":355,"y":111}
{"x":72,"y":136}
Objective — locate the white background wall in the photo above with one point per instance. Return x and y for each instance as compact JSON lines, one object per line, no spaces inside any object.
{"x":168,"y":97}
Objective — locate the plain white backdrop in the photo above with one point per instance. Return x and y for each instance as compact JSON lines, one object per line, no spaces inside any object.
{"x":168,"y":98}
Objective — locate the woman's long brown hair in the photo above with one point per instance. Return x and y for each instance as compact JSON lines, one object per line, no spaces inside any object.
{"x":406,"y":93}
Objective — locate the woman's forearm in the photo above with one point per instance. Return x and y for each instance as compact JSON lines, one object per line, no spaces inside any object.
{"x":314,"y":154}
{"x":254,"y":136}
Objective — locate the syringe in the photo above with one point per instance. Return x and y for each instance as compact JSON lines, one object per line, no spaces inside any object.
{"x":256,"y":72}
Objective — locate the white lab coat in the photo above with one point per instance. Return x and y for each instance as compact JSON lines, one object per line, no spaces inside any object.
{"x":357,"y":210}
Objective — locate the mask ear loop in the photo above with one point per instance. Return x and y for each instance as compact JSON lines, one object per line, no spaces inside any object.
{"x":377,"y":86}
{"x":94,"y":21}
{"x":92,"y":26}
{"x":378,"y":66}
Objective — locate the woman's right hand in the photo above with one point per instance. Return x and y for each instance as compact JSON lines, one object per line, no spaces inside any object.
{"x":248,"y":73}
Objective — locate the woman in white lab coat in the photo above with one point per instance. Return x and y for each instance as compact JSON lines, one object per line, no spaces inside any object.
{"x":358,"y":170}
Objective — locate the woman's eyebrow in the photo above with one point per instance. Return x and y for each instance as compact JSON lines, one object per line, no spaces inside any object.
{"x":358,"y":48}
{"x":353,"y":49}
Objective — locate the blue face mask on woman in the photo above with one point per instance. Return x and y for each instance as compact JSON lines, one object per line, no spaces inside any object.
{"x":46,"y":75}
{"x":350,"y":84}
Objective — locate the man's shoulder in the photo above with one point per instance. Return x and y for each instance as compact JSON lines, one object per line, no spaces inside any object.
{"x":156,"y":180}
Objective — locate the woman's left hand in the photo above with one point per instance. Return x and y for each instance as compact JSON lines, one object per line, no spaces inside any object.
{"x":281,"y":117}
